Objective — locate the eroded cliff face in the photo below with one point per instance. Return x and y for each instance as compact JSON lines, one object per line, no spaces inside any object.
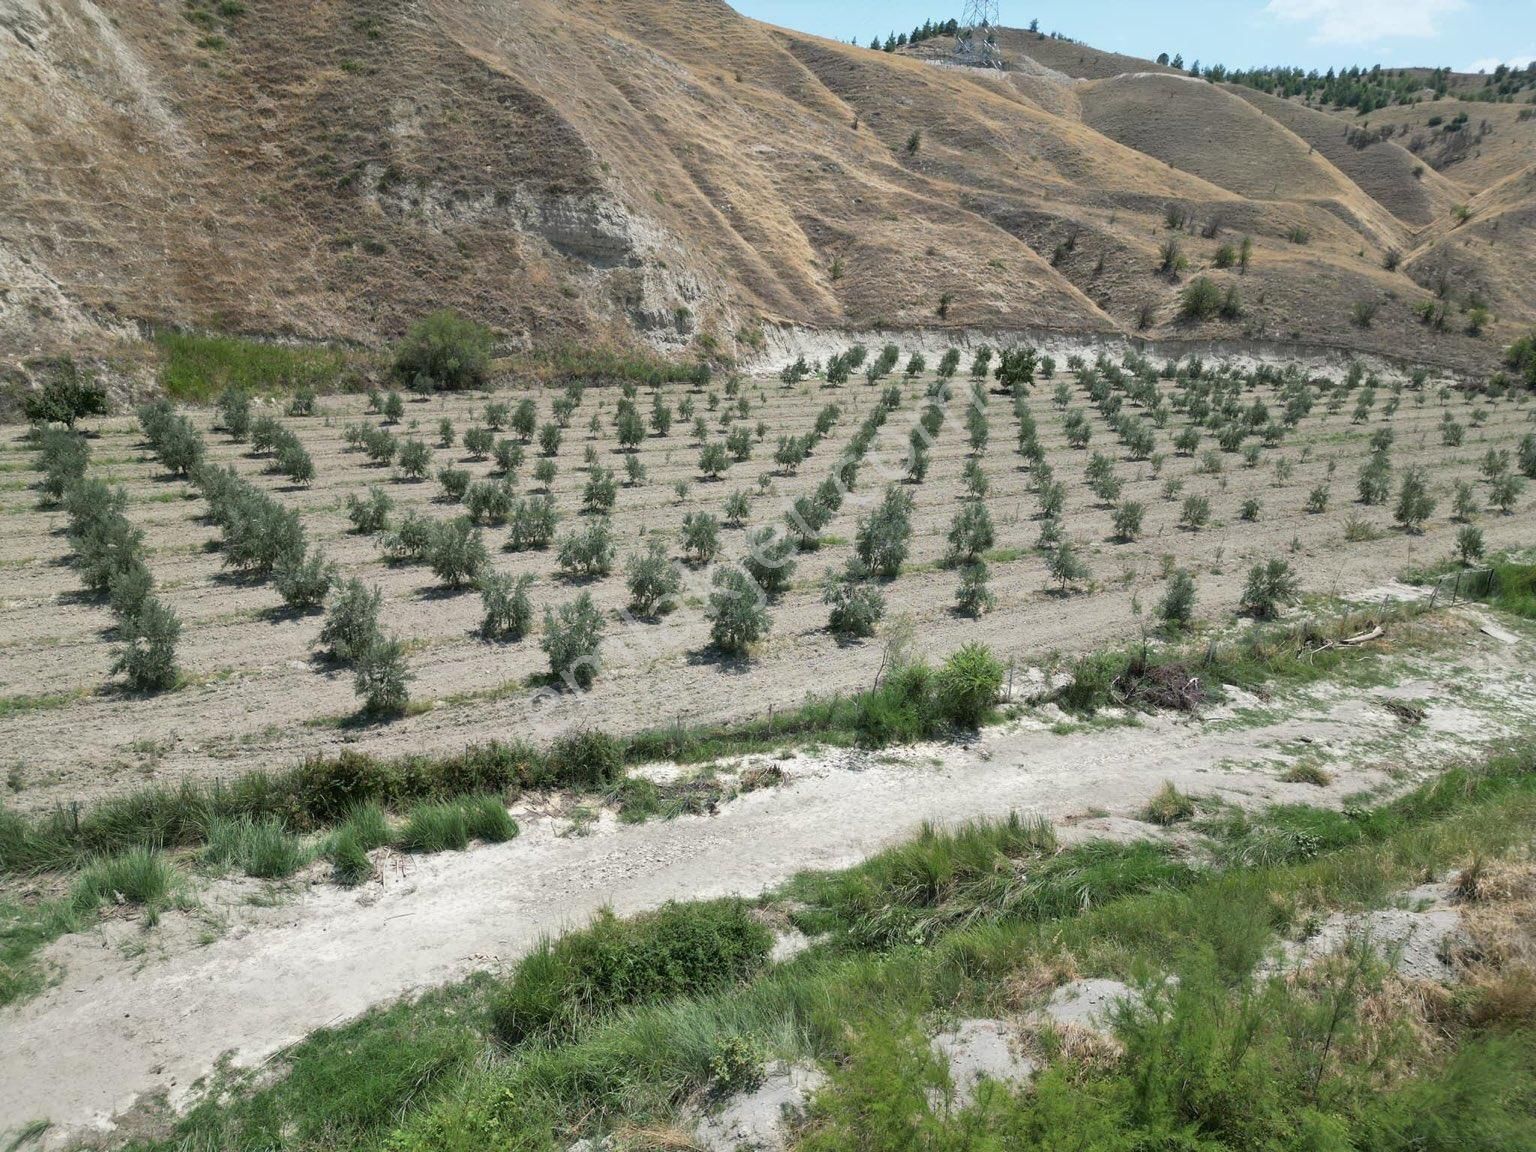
{"x":667,"y":173}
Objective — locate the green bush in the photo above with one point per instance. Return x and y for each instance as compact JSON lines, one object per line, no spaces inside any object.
{"x":304,"y":585}
{"x":414,"y":460}
{"x":769,"y":560}
{"x":147,"y":660}
{"x":455,"y":482}
{"x":489,"y":501}
{"x":678,"y":950}
{"x":885,"y":535}
{"x":572,"y":637}
{"x":600,"y":492}
{"x":533,"y":524}
{"x":970,"y":534}
{"x":68,"y":396}
{"x":447,"y":351}
{"x":973,"y":595}
{"x":585,"y":758}
{"x":736,"y":611}
{"x":856,"y":605}
{"x":369,"y":514}
{"x":508,"y":611}
{"x":968,"y":685}
{"x":1270,"y":587}
{"x":352,"y":625}
{"x":64,"y":456}
{"x":381,"y":679}
{"x":652,"y":579}
{"x":1177,"y":607}
{"x":587,"y":552}
{"x":458,"y":554}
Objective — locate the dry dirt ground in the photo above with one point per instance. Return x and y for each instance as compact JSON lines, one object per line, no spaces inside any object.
{"x":256,"y":697}
{"x":138,"y":1011}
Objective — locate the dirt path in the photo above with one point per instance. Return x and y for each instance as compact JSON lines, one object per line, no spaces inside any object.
{"x":115,"y":1029}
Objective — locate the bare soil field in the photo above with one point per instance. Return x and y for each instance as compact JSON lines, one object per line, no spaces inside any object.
{"x":256,"y":696}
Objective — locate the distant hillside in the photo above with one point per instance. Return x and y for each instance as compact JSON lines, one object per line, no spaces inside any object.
{"x":670,"y":173}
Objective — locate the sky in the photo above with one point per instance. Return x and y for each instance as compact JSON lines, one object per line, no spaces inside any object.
{"x":1467,"y":35}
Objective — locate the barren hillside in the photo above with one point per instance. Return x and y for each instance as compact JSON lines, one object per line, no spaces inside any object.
{"x":670,"y":172}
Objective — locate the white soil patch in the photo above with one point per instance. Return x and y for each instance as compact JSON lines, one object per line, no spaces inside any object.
{"x":115,"y":1028}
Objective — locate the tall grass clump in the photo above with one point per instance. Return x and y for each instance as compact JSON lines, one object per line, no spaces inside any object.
{"x":678,"y":950}
{"x":198,"y":366}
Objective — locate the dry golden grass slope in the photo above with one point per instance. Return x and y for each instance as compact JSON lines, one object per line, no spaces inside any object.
{"x":670,"y":172}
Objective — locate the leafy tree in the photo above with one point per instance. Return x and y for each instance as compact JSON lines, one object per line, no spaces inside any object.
{"x":67,"y":397}
{"x":525,"y":419}
{"x":714,"y":460}
{"x":1414,"y":503}
{"x":549,"y":439}
{"x":234,"y":409}
{"x":736,"y":612}
{"x":573,"y":636}
{"x":458,"y":553}
{"x":630,"y":426}
{"x":600,"y":492}
{"x":1177,"y":607}
{"x":1200,"y":300}
{"x":1016,"y":369}
{"x":393,"y":408}
{"x":973,"y":594}
{"x":533,"y":524}
{"x":701,"y":537}
{"x":769,"y":560}
{"x":970,"y":534}
{"x":147,"y":660}
{"x":305,"y":583}
{"x":489,"y":502}
{"x":64,"y":457}
{"x":587,"y":552}
{"x":352,"y":624}
{"x":479,"y":441}
{"x":455,"y":482}
{"x":856,"y":604}
{"x":885,"y":534}
{"x":414,"y":460}
{"x":738,"y":506}
{"x":380,"y":677}
{"x":544,"y":473}
{"x":652,"y":579}
{"x":1505,"y":492}
{"x":1469,"y":543}
{"x":509,"y":457}
{"x":508,"y":610}
{"x":1065,"y":566}
{"x":1128,"y":517}
{"x":447,"y":349}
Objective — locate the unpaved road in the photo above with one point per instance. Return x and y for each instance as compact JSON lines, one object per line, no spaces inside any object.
{"x":114,"y":1029}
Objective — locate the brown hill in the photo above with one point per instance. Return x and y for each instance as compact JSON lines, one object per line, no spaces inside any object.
{"x":666,"y":171}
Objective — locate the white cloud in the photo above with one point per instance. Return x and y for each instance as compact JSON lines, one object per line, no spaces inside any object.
{"x":1363,"y":21}
{"x":1489,"y":63}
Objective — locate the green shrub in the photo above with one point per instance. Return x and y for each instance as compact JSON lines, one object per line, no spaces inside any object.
{"x":1176,"y":609}
{"x":968,"y":685}
{"x":856,"y":605}
{"x":970,"y":534}
{"x":64,"y":456}
{"x":415,"y":459}
{"x":701,"y":537}
{"x":678,"y":950}
{"x":549,"y":439}
{"x":196,"y":366}
{"x":369,"y":514}
{"x":455,"y":482}
{"x":446,"y":350}
{"x":508,"y":610}
{"x":489,"y":501}
{"x":585,"y":758}
{"x":1414,"y":503}
{"x":305,"y":585}
{"x":479,"y":441}
{"x":533,"y":524}
{"x":458,"y":552}
{"x":600,"y":492}
{"x":294,"y":461}
{"x":736,"y":611}
{"x":973,"y":595}
{"x":884,"y":536}
{"x":769,"y":560}
{"x":587,"y":552}
{"x":68,"y":396}
{"x":352,"y":625}
{"x":1270,"y":587}
{"x":509,"y":456}
{"x":381,"y":679}
{"x":572,"y":637}
{"x":147,"y":660}
{"x":652,"y":579}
